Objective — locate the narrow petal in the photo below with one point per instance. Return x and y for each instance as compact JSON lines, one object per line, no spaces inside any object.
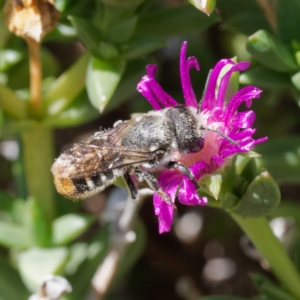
{"x":242,"y":134}
{"x":198,"y":169}
{"x":188,"y":194}
{"x":185,"y":65}
{"x":241,"y":66}
{"x":165,"y":99}
{"x":243,"y":95}
{"x":243,"y":119}
{"x":261,"y":140}
{"x":164,"y":213}
{"x":169,"y":181}
{"x":209,"y":100}
{"x":144,"y":88}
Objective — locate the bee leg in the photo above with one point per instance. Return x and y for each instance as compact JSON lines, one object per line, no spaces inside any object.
{"x":131,"y":186}
{"x":184,"y":170}
{"x":153,"y":184}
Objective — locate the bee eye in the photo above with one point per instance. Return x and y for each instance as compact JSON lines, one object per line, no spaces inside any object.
{"x":196,"y":145}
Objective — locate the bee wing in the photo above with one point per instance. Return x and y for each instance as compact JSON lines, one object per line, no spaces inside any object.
{"x":88,"y":159}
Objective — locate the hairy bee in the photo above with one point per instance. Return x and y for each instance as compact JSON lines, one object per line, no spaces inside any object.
{"x":134,"y":148}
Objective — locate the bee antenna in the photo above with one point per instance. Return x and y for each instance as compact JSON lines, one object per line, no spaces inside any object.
{"x":221,"y":134}
{"x":204,"y":92}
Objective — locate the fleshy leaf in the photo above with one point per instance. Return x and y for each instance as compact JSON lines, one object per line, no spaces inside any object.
{"x":68,"y":227}
{"x":141,"y":46}
{"x":9,"y":58}
{"x":12,"y":104}
{"x":260,"y":199}
{"x":102,"y":80}
{"x":64,"y":90}
{"x":288,"y":20}
{"x":11,"y":285}
{"x":265,"y":78}
{"x":88,"y":33}
{"x":37,"y":225}
{"x":35,"y":263}
{"x":173,"y":22}
{"x":13,"y":236}
{"x":296,"y":80}
{"x":211,"y":184}
{"x":270,"y":52}
{"x":123,"y":30}
{"x":269,"y":289}
{"x":79,"y":112}
{"x":206,"y":6}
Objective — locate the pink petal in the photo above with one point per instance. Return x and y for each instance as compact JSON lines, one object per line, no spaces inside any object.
{"x":244,"y":95}
{"x":241,"y":66}
{"x":188,"y":194}
{"x":144,"y":88}
{"x":209,"y":101}
{"x":165,"y":99}
{"x":169,"y":181}
{"x":243,"y":119}
{"x":185,"y":65}
{"x":164,"y":213}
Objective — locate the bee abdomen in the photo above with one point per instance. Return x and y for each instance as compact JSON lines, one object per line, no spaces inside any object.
{"x":81,"y":188}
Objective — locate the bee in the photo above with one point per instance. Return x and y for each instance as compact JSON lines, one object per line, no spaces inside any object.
{"x":134,"y":150}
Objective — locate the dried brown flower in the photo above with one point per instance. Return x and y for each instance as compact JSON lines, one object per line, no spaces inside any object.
{"x":30,"y":18}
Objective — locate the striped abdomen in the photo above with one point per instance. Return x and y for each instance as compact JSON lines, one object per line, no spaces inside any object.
{"x":81,"y":188}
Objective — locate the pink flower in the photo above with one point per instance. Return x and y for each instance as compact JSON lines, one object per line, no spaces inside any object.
{"x":216,"y":113}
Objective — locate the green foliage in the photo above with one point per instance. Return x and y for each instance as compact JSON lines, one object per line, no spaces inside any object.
{"x":39,"y":232}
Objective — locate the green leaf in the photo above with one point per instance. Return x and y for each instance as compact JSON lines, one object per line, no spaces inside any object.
{"x":11,"y":285}
{"x":68,"y":227}
{"x":127,"y":87}
{"x":211,"y":184}
{"x":89,"y":34}
{"x":177,"y":21}
{"x":8,"y":58}
{"x":95,"y":254}
{"x":296,"y":253}
{"x":102,"y":80}
{"x":206,"y":6}
{"x":67,"y":87}
{"x":265,"y":78}
{"x":37,"y":225}
{"x":296,"y":80}
{"x":79,"y":112}
{"x":123,"y":30}
{"x":11,"y":104}
{"x":288,"y":22}
{"x":269,"y":289}
{"x":78,"y":254}
{"x":63,"y":32}
{"x":140,"y":47}
{"x":260,"y":199}
{"x":36,"y":263}
{"x":246,"y":23}
{"x":271,"y":52}
{"x":4,"y":33}
{"x":13,"y":236}
{"x":281,"y":156}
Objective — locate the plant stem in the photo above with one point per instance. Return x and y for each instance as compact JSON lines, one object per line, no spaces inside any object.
{"x":261,"y":235}
{"x":35,"y":71}
{"x":38,"y":158}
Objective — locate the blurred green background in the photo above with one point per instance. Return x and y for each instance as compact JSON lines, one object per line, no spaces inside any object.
{"x":91,"y":63}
